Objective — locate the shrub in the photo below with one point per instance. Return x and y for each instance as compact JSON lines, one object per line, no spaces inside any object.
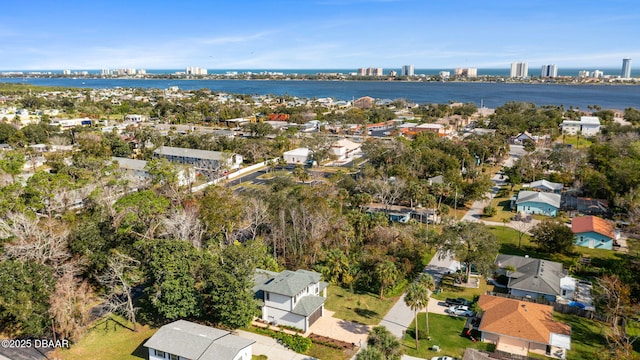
{"x":489,"y":211}
{"x":296,"y":342}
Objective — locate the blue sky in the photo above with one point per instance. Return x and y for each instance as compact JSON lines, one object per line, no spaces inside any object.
{"x":312,"y":34}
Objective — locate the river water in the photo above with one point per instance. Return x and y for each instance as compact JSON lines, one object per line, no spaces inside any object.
{"x":489,"y":94}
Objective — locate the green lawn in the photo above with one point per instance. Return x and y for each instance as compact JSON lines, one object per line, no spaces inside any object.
{"x":324,"y":352}
{"x":362,"y":307}
{"x":449,"y":290}
{"x":587,"y":336}
{"x":580,"y":143}
{"x":110,"y":338}
{"x":508,"y":239}
{"x":446,"y":332}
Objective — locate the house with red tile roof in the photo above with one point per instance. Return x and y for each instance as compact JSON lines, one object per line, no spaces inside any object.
{"x":593,"y":232}
{"x":520,"y":327}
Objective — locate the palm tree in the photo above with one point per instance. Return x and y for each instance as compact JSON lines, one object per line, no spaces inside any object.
{"x":387,"y":273}
{"x":427,"y":282}
{"x":416,"y":298}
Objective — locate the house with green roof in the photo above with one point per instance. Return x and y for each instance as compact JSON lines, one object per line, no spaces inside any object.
{"x":292,"y":298}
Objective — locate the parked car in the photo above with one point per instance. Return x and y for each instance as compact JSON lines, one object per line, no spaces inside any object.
{"x":460,"y":310}
{"x":442,"y":358}
{"x":457,"y":301}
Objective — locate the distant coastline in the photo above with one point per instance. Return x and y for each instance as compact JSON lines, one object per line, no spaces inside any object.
{"x":482,"y":72}
{"x":489,"y":94}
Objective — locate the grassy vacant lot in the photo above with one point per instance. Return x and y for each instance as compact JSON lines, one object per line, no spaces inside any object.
{"x":450,"y":290}
{"x":587,"y":336}
{"x":361,"y":307}
{"x":580,"y":142}
{"x":446,"y":332}
{"x":508,"y":239}
{"x":324,"y":352}
{"x":110,"y":338}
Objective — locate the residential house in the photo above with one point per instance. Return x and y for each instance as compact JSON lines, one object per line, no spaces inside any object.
{"x":365,"y":102}
{"x":593,"y":232}
{"x":182,"y":340}
{"x":200,"y":159}
{"x":522,"y":137}
{"x":344,"y":149}
{"x":293,"y":298}
{"x":436,"y":180}
{"x":519,"y":327}
{"x":545,"y":186}
{"x":534,"y":202}
{"x":536,"y":278}
{"x":297,"y":156}
{"x":586,"y":126}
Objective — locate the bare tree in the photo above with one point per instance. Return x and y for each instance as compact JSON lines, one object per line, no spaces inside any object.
{"x":184,"y":224}
{"x":387,"y":191}
{"x":523,"y":225}
{"x":42,"y":241}
{"x":70,"y":306}
{"x":256,"y":213}
{"x":119,"y":279}
{"x":614,"y":298}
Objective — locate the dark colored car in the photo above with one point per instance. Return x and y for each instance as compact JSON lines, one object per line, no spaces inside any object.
{"x":457,"y":301}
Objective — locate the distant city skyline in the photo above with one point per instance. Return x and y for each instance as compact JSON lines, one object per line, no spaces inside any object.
{"x":317,"y":34}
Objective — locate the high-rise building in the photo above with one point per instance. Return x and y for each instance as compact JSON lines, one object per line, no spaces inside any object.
{"x":549,"y":71}
{"x":407,"y":70}
{"x":626,"y":68}
{"x":370,"y":71}
{"x":519,"y":70}
{"x":466,"y":72}
{"x":194,"y":70}
{"x":597,"y":74}
{"x":583,"y":73}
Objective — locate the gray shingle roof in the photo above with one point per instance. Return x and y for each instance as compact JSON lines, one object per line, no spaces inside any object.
{"x":534,"y":275}
{"x":308,"y":304}
{"x":191,"y":153}
{"x":290,"y":283}
{"x":194,"y":341}
{"x":540,"y":197}
{"x":130,"y":164}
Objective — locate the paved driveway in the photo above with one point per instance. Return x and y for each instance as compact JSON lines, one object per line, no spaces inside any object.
{"x":267,"y":346}
{"x":339,"y":329}
{"x":399,"y":318}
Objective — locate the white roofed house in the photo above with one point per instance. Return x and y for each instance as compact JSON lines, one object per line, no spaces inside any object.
{"x":586,"y":126}
{"x":293,"y":298}
{"x":545,"y":186}
{"x":297,"y":156}
{"x":185,"y":340}
{"x":534,"y":202}
{"x":344,"y":149}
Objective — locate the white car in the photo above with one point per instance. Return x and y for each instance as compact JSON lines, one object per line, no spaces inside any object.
{"x":442,"y":358}
{"x":460,"y":310}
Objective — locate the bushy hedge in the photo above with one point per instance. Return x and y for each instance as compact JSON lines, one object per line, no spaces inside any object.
{"x":296,"y":342}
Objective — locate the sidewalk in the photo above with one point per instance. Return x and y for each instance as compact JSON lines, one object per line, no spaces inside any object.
{"x":268,"y":346}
